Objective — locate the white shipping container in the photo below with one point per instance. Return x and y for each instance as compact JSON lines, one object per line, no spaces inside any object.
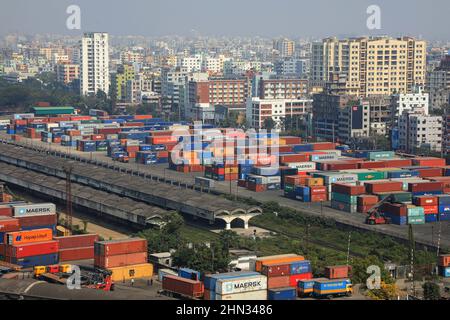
{"x":303,"y":166}
{"x":34,"y":209}
{"x":274,"y":179}
{"x":164,"y":272}
{"x":336,"y":152}
{"x":132,"y":142}
{"x":254,"y":295}
{"x":239,"y":285}
{"x":52,"y":125}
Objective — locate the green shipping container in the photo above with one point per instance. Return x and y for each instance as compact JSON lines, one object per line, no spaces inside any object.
{"x":416,"y":212}
{"x":102,"y":148}
{"x":340,"y":197}
{"x":289,"y":187}
{"x":371,"y":175}
{"x":416,"y":220}
{"x":397,"y":196}
{"x":381,"y":155}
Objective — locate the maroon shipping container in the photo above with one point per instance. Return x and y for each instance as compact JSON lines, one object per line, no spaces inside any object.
{"x":429,"y":172}
{"x":77,"y":241}
{"x":397,"y":163}
{"x":278,"y":282}
{"x":183,"y":286}
{"x":336,"y":272}
{"x":375,"y":187}
{"x":32,"y":249}
{"x":367,"y":200}
{"x":8,"y":224}
{"x":106,"y":262}
{"x":5,"y":211}
{"x":39,"y":220}
{"x":339,"y":165}
{"x":2,"y":249}
{"x":317,"y":190}
{"x":118,"y":247}
{"x":424,"y":186}
{"x":276,"y":269}
{"x":371,"y":165}
{"x":348,"y":189}
{"x":74,"y":254}
{"x":397,"y":209}
{"x":425,"y":201}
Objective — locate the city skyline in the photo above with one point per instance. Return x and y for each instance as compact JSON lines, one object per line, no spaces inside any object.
{"x":208,"y":18}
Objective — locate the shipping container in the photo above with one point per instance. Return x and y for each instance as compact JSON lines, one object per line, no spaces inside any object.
{"x":278,"y":282}
{"x":337,"y":272}
{"x":74,"y":254}
{"x":30,"y":236}
{"x":182,"y":286}
{"x":137,"y":271}
{"x":300,"y":267}
{"x":275,"y":269}
{"x":225,"y":286}
{"x":34,"y":209}
{"x":121,"y":260}
{"x":282,"y":294}
{"x":294,"y":279}
{"x":8,"y":224}
{"x":189,"y":274}
{"x":120,"y":247}
{"x":348,"y":189}
{"x":375,"y":187}
{"x":210,"y":280}
{"x":32,"y":249}
{"x":252,"y":295}
{"x":37,"y":220}
{"x":444,"y":260}
{"x":32,"y":261}
{"x":163,"y":272}
{"x":77,"y":241}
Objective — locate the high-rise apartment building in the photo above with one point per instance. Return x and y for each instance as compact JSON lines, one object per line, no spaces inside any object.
{"x":438,"y":84}
{"x":67,"y":72}
{"x":419,"y":131}
{"x":370,"y":66}
{"x":94,"y":63}
{"x":285,"y":47}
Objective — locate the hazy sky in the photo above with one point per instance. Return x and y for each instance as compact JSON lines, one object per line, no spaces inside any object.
{"x":294,"y":18}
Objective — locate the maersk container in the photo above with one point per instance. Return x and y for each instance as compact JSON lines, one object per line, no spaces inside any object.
{"x":301,"y":267}
{"x":42,"y":260}
{"x":320,"y":157}
{"x":252,"y":295}
{"x":282,"y":294}
{"x":334,"y":177}
{"x":225,"y":286}
{"x":211,"y":279}
{"x":303,"y":166}
{"x":379,"y":155}
{"x":34,"y":209}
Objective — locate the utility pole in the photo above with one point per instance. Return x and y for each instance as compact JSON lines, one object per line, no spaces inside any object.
{"x":412,"y":249}
{"x":348,"y":247}
{"x":68,"y":172}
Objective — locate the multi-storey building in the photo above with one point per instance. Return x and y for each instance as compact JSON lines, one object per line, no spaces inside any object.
{"x":354,"y":121}
{"x":417,"y":102}
{"x":292,"y":67}
{"x":282,"y":88}
{"x":125,"y":73}
{"x":67,"y":72}
{"x":438,"y":84}
{"x":418,"y":131}
{"x":258,"y":110}
{"x":370,"y":66}
{"x":380,"y":114}
{"x":94,"y":63}
{"x":285,"y":47}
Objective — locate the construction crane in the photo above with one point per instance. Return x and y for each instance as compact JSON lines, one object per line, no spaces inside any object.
{"x":68,"y":171}
{"x":374,"y":216}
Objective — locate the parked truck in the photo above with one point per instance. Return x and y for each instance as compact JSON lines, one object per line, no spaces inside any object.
{"x":332,"y":288}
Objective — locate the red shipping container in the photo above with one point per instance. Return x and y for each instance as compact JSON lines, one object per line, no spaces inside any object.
{"x":276,"y":269}
{"x":295,"y":278}
{"x":74,"y":254}
{"x":430,"y":209}
{"x":143,"y":116}
{"x":288,"y":158}
{"x":429,"y":172}
{"x":394,"y":208}
{"x":283,"y":149}
{"x":424,"y":186}
{"x":278,"y":282}
{"x":252,"y":186}
{"x":367,"y":200}
{"x":38,"y":220}
{"x":8,"y":224}
{"x":336,"y":272}
{"x":385,"y":186}
{"x":295,"y":180}
{"x":133,"y":124}
{"x":347,"y":189}
{"x":397,"y":163}
{"x":323,"y":146}
{"x":120,"y":260}
{"x":77,"y":241}
{"x":340,"y":165}
{"x":371,"y":164}
{"x":242,"y":183}
{"x":119,"y":247}
{"x":317,"y":190}
{"x":319,"y":197}
{"x":2,"y":249}
{"x":187,"y":287}
{"x":429,"y":162}
{"x":5,"y":211}
{"x":363,"y":209}
{"x":32,"y":249}
{"x":425,"y":201}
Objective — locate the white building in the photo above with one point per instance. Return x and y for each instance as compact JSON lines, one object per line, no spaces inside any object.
{"x":417,"y":102}
{"x":94,"y":63}
{"x":258,"y":110}
{"x":417,"y":131}
{"x":290,"y":66}
{"x":191,"y":64}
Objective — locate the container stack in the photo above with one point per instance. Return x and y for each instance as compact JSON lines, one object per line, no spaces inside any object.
{"x":429,"y":205}
{"x":31,"y":248}
{"x":127,"y":259}
{"x":236,"y":286}
{"x":189,"y":274}
{"x":182,"y":286}
{"x":444,"y":207}
{"x":337,"y":272}
{"x":444,"y":265}
{"x":36,"y":216}
{"x":222,"y":172}
{"x":344,"y":197}
{"x":77,"y":247}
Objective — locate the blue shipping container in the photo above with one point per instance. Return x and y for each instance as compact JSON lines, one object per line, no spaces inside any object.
{"x":301,"y":267}
{"x":282,"y":294}
{"x":189,"y":274}
{"x":42,"y":260}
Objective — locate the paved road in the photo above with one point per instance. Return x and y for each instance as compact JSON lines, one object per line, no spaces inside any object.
{"x":426,"y":234}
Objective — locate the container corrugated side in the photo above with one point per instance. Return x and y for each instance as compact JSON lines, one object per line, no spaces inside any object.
{"x":253,"y":295}
{"x":244,"y":284}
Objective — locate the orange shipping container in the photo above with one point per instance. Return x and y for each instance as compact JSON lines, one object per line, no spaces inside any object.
{"x":278,"y":282}
{"x":22,"y":237}
{"x":444,"y":260}
{"x":288,"y":258}
{"x":120,"y":260}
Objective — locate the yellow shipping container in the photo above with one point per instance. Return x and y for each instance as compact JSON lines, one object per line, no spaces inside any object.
{"x":136,"y":271}
{"x":231,"y":170}
{"x":310,"y":182}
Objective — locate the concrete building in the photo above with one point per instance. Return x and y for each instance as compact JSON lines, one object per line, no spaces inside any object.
{"x":282,"y":88}
{"x":380,"y":114}
{"x":370,"y":66}
{"x":292,"y":67}
{"x":438,"y":84}
{"x":136,"y":87}
{"x":258,"y":110}
{"x":191,"y":64}
{"x":94,"y":63}
{"x":446,"y":139}
{"x":119,"y":79}
{"x":354,"y":121}
{"x":67,"y":72}
{"x":285,"y":47}
{"x":418,"y":131}
{"x":417,"y":102}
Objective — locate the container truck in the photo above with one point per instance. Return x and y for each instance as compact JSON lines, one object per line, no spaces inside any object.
{"x":332,"y":288}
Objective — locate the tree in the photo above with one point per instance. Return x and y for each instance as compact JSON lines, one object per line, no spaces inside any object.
{"x":431,"y":291}
{"x":229,"y":239}
{"x":269,"y":124}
